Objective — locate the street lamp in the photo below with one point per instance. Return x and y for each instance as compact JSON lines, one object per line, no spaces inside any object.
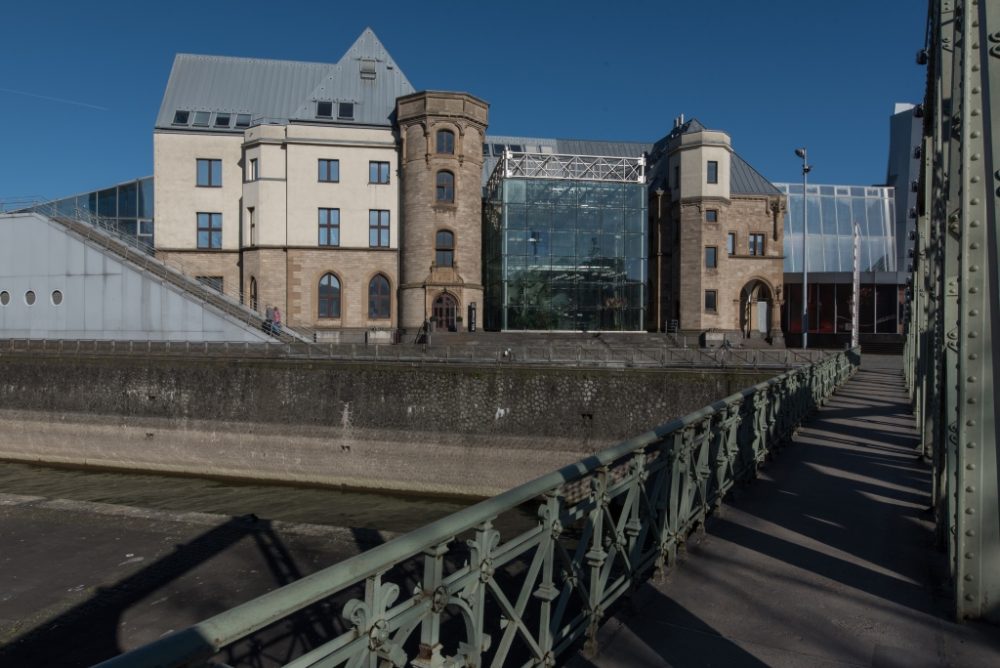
{"x":806,"y":168}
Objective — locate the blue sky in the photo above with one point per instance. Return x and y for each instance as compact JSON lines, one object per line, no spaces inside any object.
{"x":81,"y":83}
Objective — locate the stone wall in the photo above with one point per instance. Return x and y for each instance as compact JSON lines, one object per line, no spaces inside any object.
{"x":449,"y":430}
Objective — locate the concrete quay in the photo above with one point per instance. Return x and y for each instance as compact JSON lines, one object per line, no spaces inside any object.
{"x":827,"y":560}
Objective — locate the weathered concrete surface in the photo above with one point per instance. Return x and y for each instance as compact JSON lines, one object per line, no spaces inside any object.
{"x":451,"y":430}
{"x":827,"y":560}
{"x":81,"y":582}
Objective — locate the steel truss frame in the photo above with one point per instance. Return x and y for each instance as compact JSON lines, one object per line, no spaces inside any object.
{"x":955,"y":306}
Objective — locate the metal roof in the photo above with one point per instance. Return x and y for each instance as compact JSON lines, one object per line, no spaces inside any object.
{"x":743,"y":179}
{"x":279,"y":91}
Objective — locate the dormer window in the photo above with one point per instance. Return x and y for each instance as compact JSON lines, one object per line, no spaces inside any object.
{"x":223,"y":120}
{"x":242,"y":120}
{"x":181,"y":117}
{"x":345,"y":110}
{"x":324,"y":110}
{"x":201,"y":119}
{"x":368,"y":69}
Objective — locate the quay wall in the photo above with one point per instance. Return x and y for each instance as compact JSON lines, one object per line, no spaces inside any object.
{"x":440,"y":429}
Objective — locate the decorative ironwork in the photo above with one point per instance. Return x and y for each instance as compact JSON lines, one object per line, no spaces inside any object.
{"x":523,"y":599}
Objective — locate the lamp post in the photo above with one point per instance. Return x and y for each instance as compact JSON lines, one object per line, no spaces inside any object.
{"x":806,"y":168}
{"x":659,"y":256}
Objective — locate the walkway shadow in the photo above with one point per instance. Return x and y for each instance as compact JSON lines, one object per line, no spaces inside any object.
{"x":674,"y":636}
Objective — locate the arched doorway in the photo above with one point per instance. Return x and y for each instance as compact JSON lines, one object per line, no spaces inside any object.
{"x":444,"y":311}
{"x":756,"y":304}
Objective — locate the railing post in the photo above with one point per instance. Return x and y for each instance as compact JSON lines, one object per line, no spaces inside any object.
{"x":429,"y":654}
{"x":547,"y":591}
{"x":596,"y":557}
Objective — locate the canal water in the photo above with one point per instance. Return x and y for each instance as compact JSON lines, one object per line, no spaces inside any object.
{"x":291,"y":503}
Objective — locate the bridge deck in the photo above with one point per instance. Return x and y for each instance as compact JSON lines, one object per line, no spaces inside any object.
{"x":826,"y":560}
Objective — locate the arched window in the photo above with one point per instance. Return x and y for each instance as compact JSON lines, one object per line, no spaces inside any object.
{"x":444,"y":246}
{"x":445,"y":187}
{"x":253,"y":293}
{"x":378,"y":297}
{"x":445,"y":141}
{"x":329,"y":296}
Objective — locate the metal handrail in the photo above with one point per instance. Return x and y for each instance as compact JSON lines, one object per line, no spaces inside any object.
{"x":665,"y":482}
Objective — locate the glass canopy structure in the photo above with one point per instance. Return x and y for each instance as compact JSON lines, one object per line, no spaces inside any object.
{"x":126,"y":209}
{"x":565,"y":243}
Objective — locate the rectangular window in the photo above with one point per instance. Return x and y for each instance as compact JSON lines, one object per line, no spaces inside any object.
{"x":677,"y":176}
{"x":201,"y":118}
{"x":324,"y":109}
{"x":731,"y":243}
{"x":252,"y":169}
{"x":209,"y":230}
{"x":378,"y":172}
{"x":223,"y":120}
{"x":329,"y":227}
{"x":209,"y":173}
{"x":711,"y":257}
{"x":711,"y":297}
{"x":713,"y":171}
{"x":756,"y":244}
{"x":329,"y":171}
{"x":242,"y":120}
{"x":378,"y":228}
{"x":711,"y":216}
{"x":253,"y":225}
{"x":345,"y":110}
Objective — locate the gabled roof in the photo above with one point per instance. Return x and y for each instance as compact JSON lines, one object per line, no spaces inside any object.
{"x":279,"y":91}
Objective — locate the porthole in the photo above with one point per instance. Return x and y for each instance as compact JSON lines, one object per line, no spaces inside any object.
{"x":29,"y":297}
{"x":56,"y":297}
{"x":4,"y":298}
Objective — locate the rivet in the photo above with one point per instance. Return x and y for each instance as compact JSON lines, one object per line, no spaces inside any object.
{"x":970,"y":423}
{"x":975,"y":179}
{"x":975,"y":200}
{"x":974,"y":312}
{"x":974,"y":267}
{"x":971,"y":379}
{"x":954,"y":217}
{"x":970,"y":533}
{"x":975,"y":89}
{"x":970,"y":489}
{"x":974,"y":245}
{"x":975,"y":68}
{"x":971,"y":445}
{"x":969,"y":597}
{"x":970,"y":467}
{"x":974,"y":223}
{"x":974,"y":112}
{"x":973,"y":356}
{"x":970,"y":511}
{"x":970,"y":555}
{"x":970,"y":400}
{"x":968,"y":578}
{"x":973,"y":290}
{"x":973,"y":334}
{"x":975,"y":133}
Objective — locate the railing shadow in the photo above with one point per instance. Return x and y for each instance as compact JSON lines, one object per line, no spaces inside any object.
{"x":89,"y":632}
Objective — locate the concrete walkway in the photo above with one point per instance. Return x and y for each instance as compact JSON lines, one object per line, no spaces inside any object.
{"x":826,"y":560}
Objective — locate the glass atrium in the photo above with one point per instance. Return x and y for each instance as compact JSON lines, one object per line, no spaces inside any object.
{"x":565,"y":253}
{"x":126,"y":208}
{"x":832,"y":212}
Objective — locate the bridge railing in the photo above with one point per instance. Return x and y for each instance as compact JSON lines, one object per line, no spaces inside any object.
{"x":605,"y":525}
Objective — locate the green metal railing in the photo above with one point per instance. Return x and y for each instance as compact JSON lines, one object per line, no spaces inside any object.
{"x":605,"y":525}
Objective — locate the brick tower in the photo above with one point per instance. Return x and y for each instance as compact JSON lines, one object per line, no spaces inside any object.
{"x":441,"y":167}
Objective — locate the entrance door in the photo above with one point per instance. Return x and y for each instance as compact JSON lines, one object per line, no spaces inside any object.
{"x":762,"y":317}
{"x":444,"y":311}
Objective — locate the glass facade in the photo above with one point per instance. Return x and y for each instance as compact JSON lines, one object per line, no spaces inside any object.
{"x":832,"y":211}
{"x":126,"y":209}
{"x":565,"y":254}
